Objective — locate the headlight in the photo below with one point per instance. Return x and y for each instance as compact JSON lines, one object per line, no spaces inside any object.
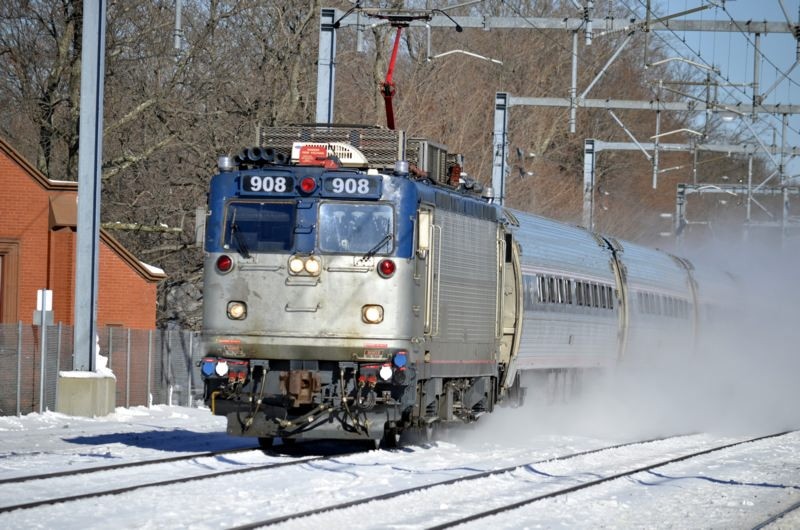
{"x":313,"y":266}
{"x":296,"y":265}
{"x":222,"y":368}
{"x":385,"y":372}
{"x":372,"y":314}
{"x":237,"y":310}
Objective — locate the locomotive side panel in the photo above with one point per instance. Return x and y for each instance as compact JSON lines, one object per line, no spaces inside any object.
{"x":463,"y":337}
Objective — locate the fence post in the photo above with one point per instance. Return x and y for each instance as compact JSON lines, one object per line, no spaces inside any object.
{"x":42,"y":360}
{"x":149,"y":368}
{"x":128,"y":372}
{"x":59,"y":331}
{"x":19,"y":368}
{"x":169,"y":368}
{"x":110,"y":345}
{"x":189,"y":367}
{"x":58,"y":349}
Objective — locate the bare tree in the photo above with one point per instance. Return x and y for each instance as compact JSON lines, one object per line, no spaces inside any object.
{"x":40,"y":50}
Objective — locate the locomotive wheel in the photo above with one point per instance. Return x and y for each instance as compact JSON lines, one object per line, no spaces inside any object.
{"x":266,"y":442}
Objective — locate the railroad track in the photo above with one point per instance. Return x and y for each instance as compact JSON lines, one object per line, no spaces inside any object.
{"x":111,"y":467}
{"x":512,"y":506}
{"x":592,"y":483}
{"x":140,"y":485}
{"x":462,"y":478}
{"x":49,"y":500}
{"x":520,"y":480}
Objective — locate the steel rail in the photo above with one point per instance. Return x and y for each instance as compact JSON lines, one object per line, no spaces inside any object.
{"x":777,"y":516}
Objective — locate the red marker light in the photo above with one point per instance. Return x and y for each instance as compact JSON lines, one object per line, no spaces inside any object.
{"x":308,"y":184}
{"x":386,"y":268}
{"x":224,"y":263}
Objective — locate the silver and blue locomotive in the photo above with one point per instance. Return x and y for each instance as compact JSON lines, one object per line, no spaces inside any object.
{"x":357,"y":286}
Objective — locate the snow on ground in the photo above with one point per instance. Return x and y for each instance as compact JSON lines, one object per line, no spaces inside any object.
{"x":734,"y":489}
{"x":43,"y":443}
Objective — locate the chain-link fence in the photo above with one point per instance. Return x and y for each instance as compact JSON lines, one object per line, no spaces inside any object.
{"x":151,"y":366}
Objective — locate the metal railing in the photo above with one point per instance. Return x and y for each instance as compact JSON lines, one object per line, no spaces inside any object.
{"x":151,"y":366}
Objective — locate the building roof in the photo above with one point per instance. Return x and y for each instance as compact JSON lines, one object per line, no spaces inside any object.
{"x":64,"y":212}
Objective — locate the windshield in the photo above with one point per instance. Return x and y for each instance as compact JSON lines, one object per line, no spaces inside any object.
{"x":356,"y":228}
{"x":259,"y":227}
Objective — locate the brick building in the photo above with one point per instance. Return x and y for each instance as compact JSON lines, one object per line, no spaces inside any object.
{"x":37,"y":251}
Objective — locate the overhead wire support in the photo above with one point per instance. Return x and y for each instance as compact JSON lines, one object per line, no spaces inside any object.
{"x":648,"y":25}
{"x":784,"y":75}
{"x":587,"y":18}
{"x":745,"y":28}
{"x":573,"y":87}
{"x":630,"y":135}
{"x":756,"y":71}
{"x":610,"y":61}
{"x":758,"y":28}
{"x":606,"y":25}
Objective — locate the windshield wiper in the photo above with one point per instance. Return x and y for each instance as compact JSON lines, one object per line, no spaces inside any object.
{"x":371,"y":252}
{"x":241,"y":246}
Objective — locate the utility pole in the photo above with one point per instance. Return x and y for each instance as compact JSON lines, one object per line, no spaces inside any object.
{"x":90,"y":158}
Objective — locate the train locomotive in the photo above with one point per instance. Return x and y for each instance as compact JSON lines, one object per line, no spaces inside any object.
{"x":358,"y":285}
